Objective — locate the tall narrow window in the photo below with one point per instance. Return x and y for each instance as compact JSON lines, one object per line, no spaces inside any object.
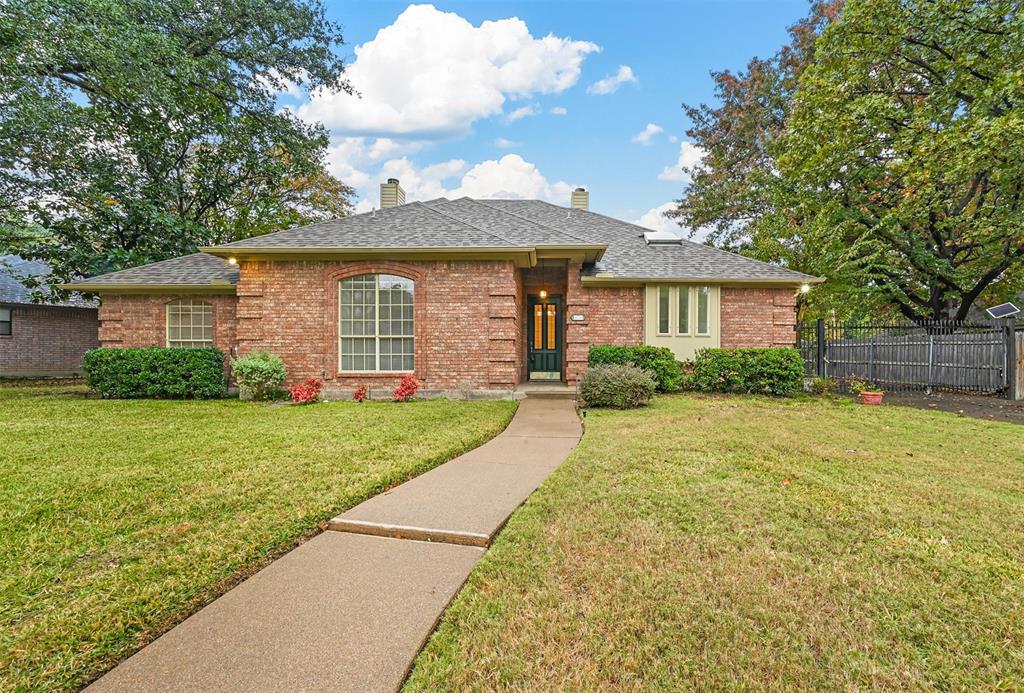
{"x":5,"y":322}
{"x":551,"y":327}
{"x":189,"y":324}
{"x":375,"y":329}
{"x":663,"y":308}
{"x":703,"y":298}
{"x":538,"y":326}
{"x":683,"y":310}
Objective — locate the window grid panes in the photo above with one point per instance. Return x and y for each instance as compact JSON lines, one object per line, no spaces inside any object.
{"x":5,"y":322}
{"x":189,"y":324}
{"x":683,"y":310}
{"x":663,"y":309}
{"x":376,"y":323}
{"x":703,"y":294}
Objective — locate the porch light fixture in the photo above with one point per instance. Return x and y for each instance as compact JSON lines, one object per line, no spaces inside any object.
{"x":804,"y":288}
{"x":233,"y":261}
{"x":543,"y":294}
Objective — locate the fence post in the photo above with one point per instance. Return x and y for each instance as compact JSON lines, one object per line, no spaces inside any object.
{"x":819,"y":330}
{"x":1013,"y":362}
{"x":931,"y":361}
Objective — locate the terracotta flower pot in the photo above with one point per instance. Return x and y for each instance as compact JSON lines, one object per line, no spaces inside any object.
{"x":873,"y":398}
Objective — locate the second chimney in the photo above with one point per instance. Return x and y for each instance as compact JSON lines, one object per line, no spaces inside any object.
{"x":580,"y":199}
{"x":391,"y":194}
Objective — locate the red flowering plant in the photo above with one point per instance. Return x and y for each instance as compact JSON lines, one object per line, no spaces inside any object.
{"x":361,"y":394}
{"x":307,"y":392}
{"x":406,"y":389}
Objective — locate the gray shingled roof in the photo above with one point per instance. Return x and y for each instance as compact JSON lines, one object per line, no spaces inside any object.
{"x":470,"y":223}
{"x":198,"y":268}
{"x":629,"y":256}
{"x":12,"y":290}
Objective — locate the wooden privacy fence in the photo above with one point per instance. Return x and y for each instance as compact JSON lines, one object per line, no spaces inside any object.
{"x":982,"y":356}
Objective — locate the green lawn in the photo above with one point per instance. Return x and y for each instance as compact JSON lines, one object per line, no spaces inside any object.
{"x":119,"y":518}
{"x":745,"y":543}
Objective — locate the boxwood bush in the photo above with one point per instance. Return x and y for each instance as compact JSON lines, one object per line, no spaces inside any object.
{"x":772,"y":371}
{"x":162,"y":373}
{"x":259,"y":375}
{"x":660,"y":361}
{"x":615,"y":385}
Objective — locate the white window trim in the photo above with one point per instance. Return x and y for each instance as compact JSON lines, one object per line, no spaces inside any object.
{"x":10,"y":320}
{"x":696,"y":311}
{"x":689,"y":310}
{"x":205,"y":343}
{"x":376,"y":328}
{"x":670,"y":309}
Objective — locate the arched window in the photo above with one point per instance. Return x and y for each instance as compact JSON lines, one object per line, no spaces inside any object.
{"x":375,"y":329}
{"x":189,"y":324}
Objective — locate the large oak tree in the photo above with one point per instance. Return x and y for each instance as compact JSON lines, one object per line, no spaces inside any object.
{"x":136,"y":130}
{"x":880,"y":149}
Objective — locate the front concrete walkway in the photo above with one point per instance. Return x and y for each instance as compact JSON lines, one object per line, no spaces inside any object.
{"x":349,"y":611}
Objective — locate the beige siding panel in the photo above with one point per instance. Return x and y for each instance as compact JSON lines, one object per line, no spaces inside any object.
{"x":684,"y":346}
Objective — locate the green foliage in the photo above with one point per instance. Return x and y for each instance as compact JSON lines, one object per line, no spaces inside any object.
{"x":659,"y":361}
{"x":112,"y":158}
{"x":774,"y":371}
{"x":155,"y":373}
{"x":883,"y":149}
{"x":617,"y":386}
{"x":823,"y":386}
{"x":259,"y":375}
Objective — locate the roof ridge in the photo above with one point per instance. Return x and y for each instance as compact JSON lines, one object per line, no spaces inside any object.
{"x":687,"y":241}
{"x":532,"y":221}
{"x":464,"y":222}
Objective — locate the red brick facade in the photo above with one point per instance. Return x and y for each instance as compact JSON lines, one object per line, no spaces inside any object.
{"x":469,"y":319}
{"x":47,"y":340}
{"x":758,"y":317}
{"x":611,"y":316}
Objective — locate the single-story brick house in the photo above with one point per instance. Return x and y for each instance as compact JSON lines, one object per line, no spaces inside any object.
{"x":468,"y":295}
{"x":47,"y":337}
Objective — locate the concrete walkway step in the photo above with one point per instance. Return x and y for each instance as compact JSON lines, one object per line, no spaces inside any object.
{"x":467,"y":500}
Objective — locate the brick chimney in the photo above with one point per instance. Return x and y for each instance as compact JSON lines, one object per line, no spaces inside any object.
{"x":391,"y":194}
{"x":580,"y":199}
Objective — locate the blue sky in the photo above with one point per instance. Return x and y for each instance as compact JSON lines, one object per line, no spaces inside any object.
{"x":507,"y":99}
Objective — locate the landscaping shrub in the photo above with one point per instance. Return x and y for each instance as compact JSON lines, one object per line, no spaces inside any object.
{"x":660,"y":361}
{"x":823,"y":386}
{"x":307,"y":392}
{"x":361,"y":393}
{"x":774,"y":371}
{"x":616,"y":385}
{"x":406,"y":389}
{"x":162,"y":373}
{"x":259,"y":375}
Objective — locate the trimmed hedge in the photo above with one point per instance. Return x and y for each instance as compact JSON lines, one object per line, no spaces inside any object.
{"x":660,"y":361}
{"x":615,"y":385}
{"x":259,"y":375}
{"x":160,"y":373}
{"x":772,"y":371}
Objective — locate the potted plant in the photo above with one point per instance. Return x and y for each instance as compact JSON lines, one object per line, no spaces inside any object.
{"x":868,"y":393}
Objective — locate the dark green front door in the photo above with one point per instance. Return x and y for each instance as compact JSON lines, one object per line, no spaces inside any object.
{"x":544,"y":334}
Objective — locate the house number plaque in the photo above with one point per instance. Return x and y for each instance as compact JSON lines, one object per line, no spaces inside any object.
{"x":578,"y":317}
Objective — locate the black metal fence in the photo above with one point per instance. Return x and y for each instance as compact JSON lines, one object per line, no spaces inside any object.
{"x":950,"y":355}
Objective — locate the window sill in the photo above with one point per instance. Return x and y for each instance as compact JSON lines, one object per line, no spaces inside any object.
{"x":373,"y":374}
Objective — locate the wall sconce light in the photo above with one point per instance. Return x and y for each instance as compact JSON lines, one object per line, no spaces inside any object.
{"x":804,"y":288}
{"x":543,"y":294}
{"x":233,"y":261}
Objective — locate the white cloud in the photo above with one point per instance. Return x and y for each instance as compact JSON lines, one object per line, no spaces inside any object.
{"x":559,"y":110}
{"x":433,"y":72}
{"x":648,"y":132}
{"x":506,"y":144}
{"x":523,"y":112}
{"x":673,"y":139}
{"x":611,"y":83}
{"x":511,"y":176}
{"x":424,"y":183}
{"x":656,"y":220}
{"x":690,"y":155}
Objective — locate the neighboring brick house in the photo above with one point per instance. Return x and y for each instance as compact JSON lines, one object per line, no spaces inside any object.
{"x":468,"y":295}
{"x":44,"y":338}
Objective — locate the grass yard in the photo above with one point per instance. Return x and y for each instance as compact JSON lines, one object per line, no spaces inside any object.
{"x":119,"y":518}
{"x":745,"y":543}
